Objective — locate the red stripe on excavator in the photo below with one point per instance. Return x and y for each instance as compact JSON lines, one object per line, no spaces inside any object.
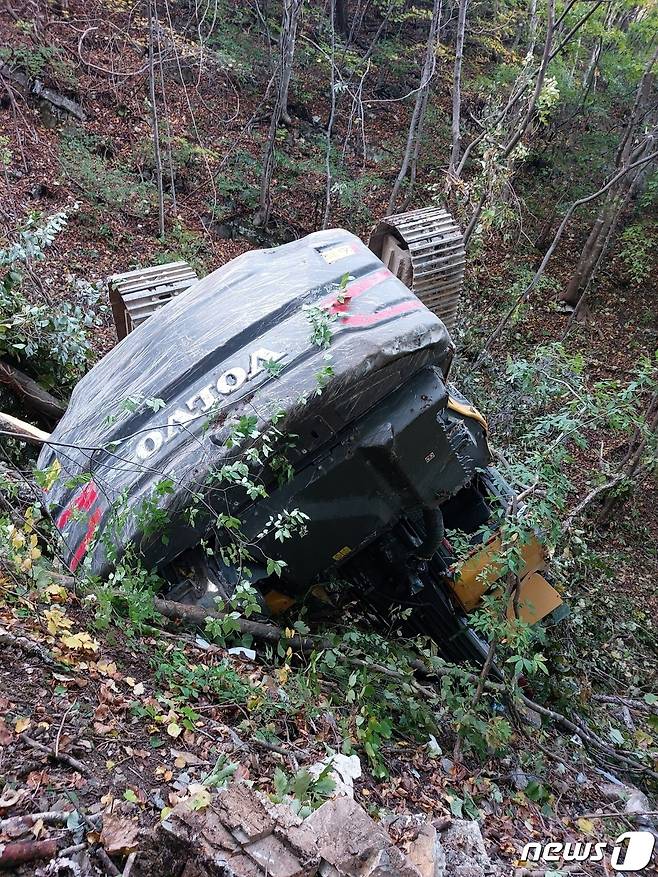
{"x":355,"y":289}
{"x":86,"y":539}
{"x":371,"y":319}
{"x":83,"y":502}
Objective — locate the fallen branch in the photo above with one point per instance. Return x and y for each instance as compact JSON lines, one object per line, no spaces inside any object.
{"x":273,"y":634}
{"x":12,"y":426}
{"x":32,"y":392}
{"x":31,"y":648}
{"x":14,"y":824}
{"x":260,"y":630}
{"x":589,"y":499}
{"x":56,"y":756}
{"x":638,"y":705}
{"x":616,"y":815}
{"x":97,"y":848}
{"x":22,"y":851}
{"x":37,"y":88}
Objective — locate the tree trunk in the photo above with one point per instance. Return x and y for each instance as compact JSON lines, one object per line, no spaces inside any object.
{"x":32,"y":393}
{"x":289,"y":22}
{"x":456,"y":90}
{"x":341,"y":18}
{"x":157,"y":157}
{"x":532,"y":27}
{"x":618,"y":195}
{"x":415,"y":126}
{"x":333,"y":7}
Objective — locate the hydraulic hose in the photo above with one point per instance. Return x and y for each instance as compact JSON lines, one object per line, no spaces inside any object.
{"x":434,"y":533}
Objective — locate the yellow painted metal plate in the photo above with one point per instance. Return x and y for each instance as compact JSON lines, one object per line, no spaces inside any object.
{"x":536,"y":598}
{"x":478,"y":572}
{"x":277,"y":602}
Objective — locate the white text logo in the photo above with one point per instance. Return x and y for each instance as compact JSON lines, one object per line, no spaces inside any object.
{"x":631,"y":851}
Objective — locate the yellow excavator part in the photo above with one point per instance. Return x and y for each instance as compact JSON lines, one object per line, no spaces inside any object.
{"x":536,"y":597}
{"x":467,"y":411}
{"x":277,"y":602}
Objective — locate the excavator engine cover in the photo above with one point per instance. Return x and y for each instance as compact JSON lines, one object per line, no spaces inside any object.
{"x":305,"y":378}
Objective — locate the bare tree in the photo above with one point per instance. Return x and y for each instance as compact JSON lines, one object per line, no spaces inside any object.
{"x":412,"y":148}
{"x":332,"y":113}
{"x":618,"y":196}
{"x":289,"y":21}
{"x":522,"y":126}
{"x":456,"y":89}
{"x":533,"y":21}
{"x":155,"y":124}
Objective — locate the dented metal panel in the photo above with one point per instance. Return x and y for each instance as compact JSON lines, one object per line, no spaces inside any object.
{"x":160,"y":405}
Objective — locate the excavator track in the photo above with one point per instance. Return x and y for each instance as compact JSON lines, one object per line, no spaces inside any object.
{"x":425,"y":250}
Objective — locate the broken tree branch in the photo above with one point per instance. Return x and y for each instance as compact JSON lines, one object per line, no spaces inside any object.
{"x":12,"y":426}
{"x":56,"y":756}
{"x":22,"y":851}
{"x":34,"y":394}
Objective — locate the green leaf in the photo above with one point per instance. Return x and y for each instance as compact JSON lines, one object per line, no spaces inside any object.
{"x":280,"y":783}
{"x":616,"y":736}
{"x":457,"y":806}
{"x":301,"y":784}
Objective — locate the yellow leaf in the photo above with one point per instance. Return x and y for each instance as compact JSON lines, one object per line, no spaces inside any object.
{"x":51,"y":474}
{"x":37,"y":828}
{"x":80,"y":642}
{"x":56,"y":620}
{"x":164,"y":813}
{"x":174,"y":729}
{"x":585,"y":825}
{"x":22,"y":724}
{"x":55,"y":593}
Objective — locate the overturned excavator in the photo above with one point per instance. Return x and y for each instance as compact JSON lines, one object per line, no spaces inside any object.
{"x":289,"y":418}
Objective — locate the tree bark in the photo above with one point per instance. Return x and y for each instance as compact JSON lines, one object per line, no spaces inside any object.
{"x":333,"y":7}
{"x":618,"y":195}
{"x":289,"y":22}
{"x":415,"y":126}
{"x":456,"y":89}
{"x":341,"y":18}
{"x":532,"y":27}
{"x":21,"y":430}
{"x":32,"y":393}
{"x":155,"y":124}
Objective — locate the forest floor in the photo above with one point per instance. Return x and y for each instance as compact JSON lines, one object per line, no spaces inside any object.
{"x":137,"y":721}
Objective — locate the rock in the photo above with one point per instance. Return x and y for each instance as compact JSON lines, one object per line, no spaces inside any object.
{"x":344,"y":770}
{"x":635,"y":801}
{"x":239,"y":835}
{"x":244,"y":813}
{"x":465,"y":852}
{"x":519,"y":779}
{"x":354,"y":844}
{"x":426,"y":852}
{"x":242,"y":834}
